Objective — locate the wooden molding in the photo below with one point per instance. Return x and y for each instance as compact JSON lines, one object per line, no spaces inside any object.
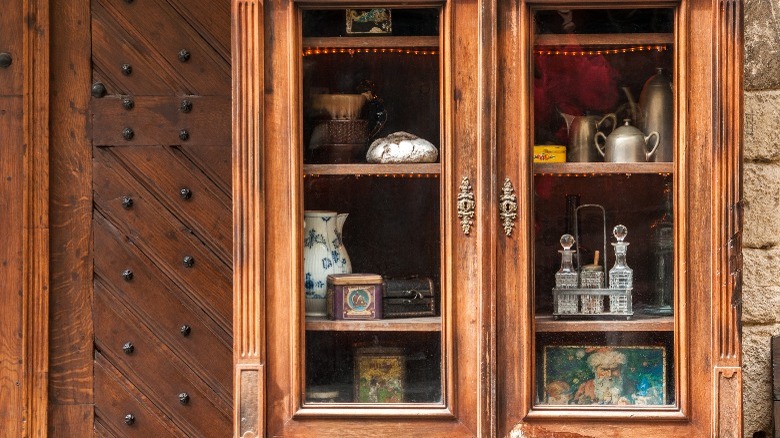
{"x":35,"y":264}
{"x":248,"y":217}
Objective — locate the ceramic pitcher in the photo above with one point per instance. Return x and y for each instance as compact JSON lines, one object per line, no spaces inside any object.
{"x":323,"y":254}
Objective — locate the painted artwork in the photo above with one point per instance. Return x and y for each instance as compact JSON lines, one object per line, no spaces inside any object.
{"x":379,"y":375}
{"x":599,"y":375}
{"x":363,"y":21}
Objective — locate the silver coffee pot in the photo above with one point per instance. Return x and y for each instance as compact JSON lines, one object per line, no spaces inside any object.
{"x":626,"y":144}
{"x":655,"y":112}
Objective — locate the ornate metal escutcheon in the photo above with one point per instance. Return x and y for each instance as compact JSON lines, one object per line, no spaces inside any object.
{"x":466,"y":205}
{"x":507,"y":205}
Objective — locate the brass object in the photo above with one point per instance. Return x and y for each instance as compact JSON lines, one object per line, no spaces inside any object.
{"x":508,"y":206}
{"x":466,"y":205}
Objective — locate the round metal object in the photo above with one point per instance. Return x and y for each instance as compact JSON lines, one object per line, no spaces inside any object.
{"x":188,"y":261}
{"x":129,"y":419}
{"x":128,"y":103}
{"x":185,"y":330}
{"x":184,"y":55}
{"x":184,"y":135}
{"x":127,"y":274}
{"x":128,"y":133}
{"x":128,"y":348}
{"x":184,"y":398}
{"x":185,"y":106}
{"x":98,"y":89}
{"x":5,"y":60}
{"x":127,"y":202}
{"x":185,"y":193}
{"x":127,"y":69}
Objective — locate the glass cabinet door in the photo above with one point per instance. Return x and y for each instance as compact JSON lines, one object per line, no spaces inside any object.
{"x":603,"y":207}
{"x":372,"y":240}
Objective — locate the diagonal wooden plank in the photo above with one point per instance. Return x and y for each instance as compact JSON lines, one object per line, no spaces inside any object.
{"x":156,"y":29}
{"x":112,"y":46}
{"x":165,"y":308}
{"x":162,"y":238}
{"x":206,"y":213}
{"x":157,"y":372}
{"x":211,"y":19}
{"x":214,"y":161}
{"x":115,"y":397}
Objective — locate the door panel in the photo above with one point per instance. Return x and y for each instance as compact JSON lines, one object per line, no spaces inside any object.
{"x":162,"y":221}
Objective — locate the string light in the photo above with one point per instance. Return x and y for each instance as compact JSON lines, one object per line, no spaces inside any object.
{"x":309,"y":51}
{"x":602,"y":52}
{"x":377,"y":175}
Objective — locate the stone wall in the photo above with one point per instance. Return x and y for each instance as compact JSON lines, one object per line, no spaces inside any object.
{"x":761,"y":305}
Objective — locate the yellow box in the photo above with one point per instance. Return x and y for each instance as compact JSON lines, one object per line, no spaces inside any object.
{"x":549,"y":154}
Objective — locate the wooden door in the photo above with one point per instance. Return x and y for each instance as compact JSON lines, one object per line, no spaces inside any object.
{"x":162,"y":224}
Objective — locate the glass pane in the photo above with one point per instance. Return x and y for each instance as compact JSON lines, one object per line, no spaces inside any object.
{"x":372,"y":239}
{"x":604,"y":157}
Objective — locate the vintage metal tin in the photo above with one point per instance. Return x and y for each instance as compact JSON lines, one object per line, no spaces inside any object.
{"x":380,"y":375}
{"x":550,"y":154}
{"x":354,"y":296}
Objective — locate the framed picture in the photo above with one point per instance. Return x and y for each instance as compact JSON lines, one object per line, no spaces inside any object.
{"x":379,"y":375}
{"x":367,"y":21}
{"x":604,"y":375}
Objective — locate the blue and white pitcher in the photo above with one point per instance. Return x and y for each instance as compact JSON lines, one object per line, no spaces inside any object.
{"x":323,"y":254}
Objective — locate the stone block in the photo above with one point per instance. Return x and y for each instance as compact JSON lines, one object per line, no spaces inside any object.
{"x":762,"y":44}
{"x":762,"y":205}
{"x":760,"y":286}
{"x":762,"y":136}
{"x":757,"y":378}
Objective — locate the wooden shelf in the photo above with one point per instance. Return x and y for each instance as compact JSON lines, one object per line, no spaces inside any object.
{"x":372,"y":42}
{"x":638,"y":323}
{"x":618,"y":39}
{"x":426,"y":324}
{"x":602,"y":168}
{"x":373,"y":169}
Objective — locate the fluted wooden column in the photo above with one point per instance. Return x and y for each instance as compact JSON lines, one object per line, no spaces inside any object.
{"x":35,"y":244}
{"x":727,"y":179}
{"x":248,"y":219}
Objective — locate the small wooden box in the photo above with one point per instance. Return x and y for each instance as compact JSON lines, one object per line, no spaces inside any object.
{"x":409,"y":297}
{"x":354,"y":296}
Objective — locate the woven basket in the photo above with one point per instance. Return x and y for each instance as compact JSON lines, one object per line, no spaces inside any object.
{"x":347,"y":131}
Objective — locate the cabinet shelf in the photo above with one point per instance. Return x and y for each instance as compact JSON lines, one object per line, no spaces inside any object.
{"x":373,"y":169}
{"x":643,"y":39}
{"x":372,"y":42}
{"x":424,"y":324}
{"x":638,"y":323}
{"x":602,"y":168}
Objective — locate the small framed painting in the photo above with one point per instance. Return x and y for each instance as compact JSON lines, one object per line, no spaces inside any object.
{"x":604,"y":375}
{"x":368,"y":21}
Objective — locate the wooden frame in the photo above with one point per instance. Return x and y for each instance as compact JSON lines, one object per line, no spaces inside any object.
{"x":710,"y":149}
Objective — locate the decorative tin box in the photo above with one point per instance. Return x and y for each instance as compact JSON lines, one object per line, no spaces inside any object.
{"x":354,"y":296}
{"x":380,"y":373}
{"x":409,"y":297}
{"x":550,"y":154}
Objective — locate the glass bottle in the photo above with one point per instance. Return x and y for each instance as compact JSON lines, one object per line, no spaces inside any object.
{"x":662,"y":241}
{"x":620,"y":276}
{"x":566,"y":277}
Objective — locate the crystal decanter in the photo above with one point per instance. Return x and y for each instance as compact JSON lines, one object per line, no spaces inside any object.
{"x":566,"y":277}
{"x":620,"y":276}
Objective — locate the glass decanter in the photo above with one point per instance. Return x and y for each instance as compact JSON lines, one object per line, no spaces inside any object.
{"x":620,"y":276}
{"x":566,"y":277}
{"x":662,"y":241}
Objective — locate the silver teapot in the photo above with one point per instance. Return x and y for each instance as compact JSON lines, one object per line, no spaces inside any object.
{"x":582,"y":130}
{"x":626,"y":144}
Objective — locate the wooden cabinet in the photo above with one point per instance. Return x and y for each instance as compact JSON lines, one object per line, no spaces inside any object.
{"x":510,"y":345}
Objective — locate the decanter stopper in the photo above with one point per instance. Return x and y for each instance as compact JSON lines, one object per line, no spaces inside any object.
{"x":567,"y":241}
{"x":620,"y":232}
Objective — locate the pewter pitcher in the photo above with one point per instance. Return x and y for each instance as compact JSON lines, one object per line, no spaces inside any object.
{"x":626,"y":144}
{"x":656,"y":104}
{"x":582,"y":131}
